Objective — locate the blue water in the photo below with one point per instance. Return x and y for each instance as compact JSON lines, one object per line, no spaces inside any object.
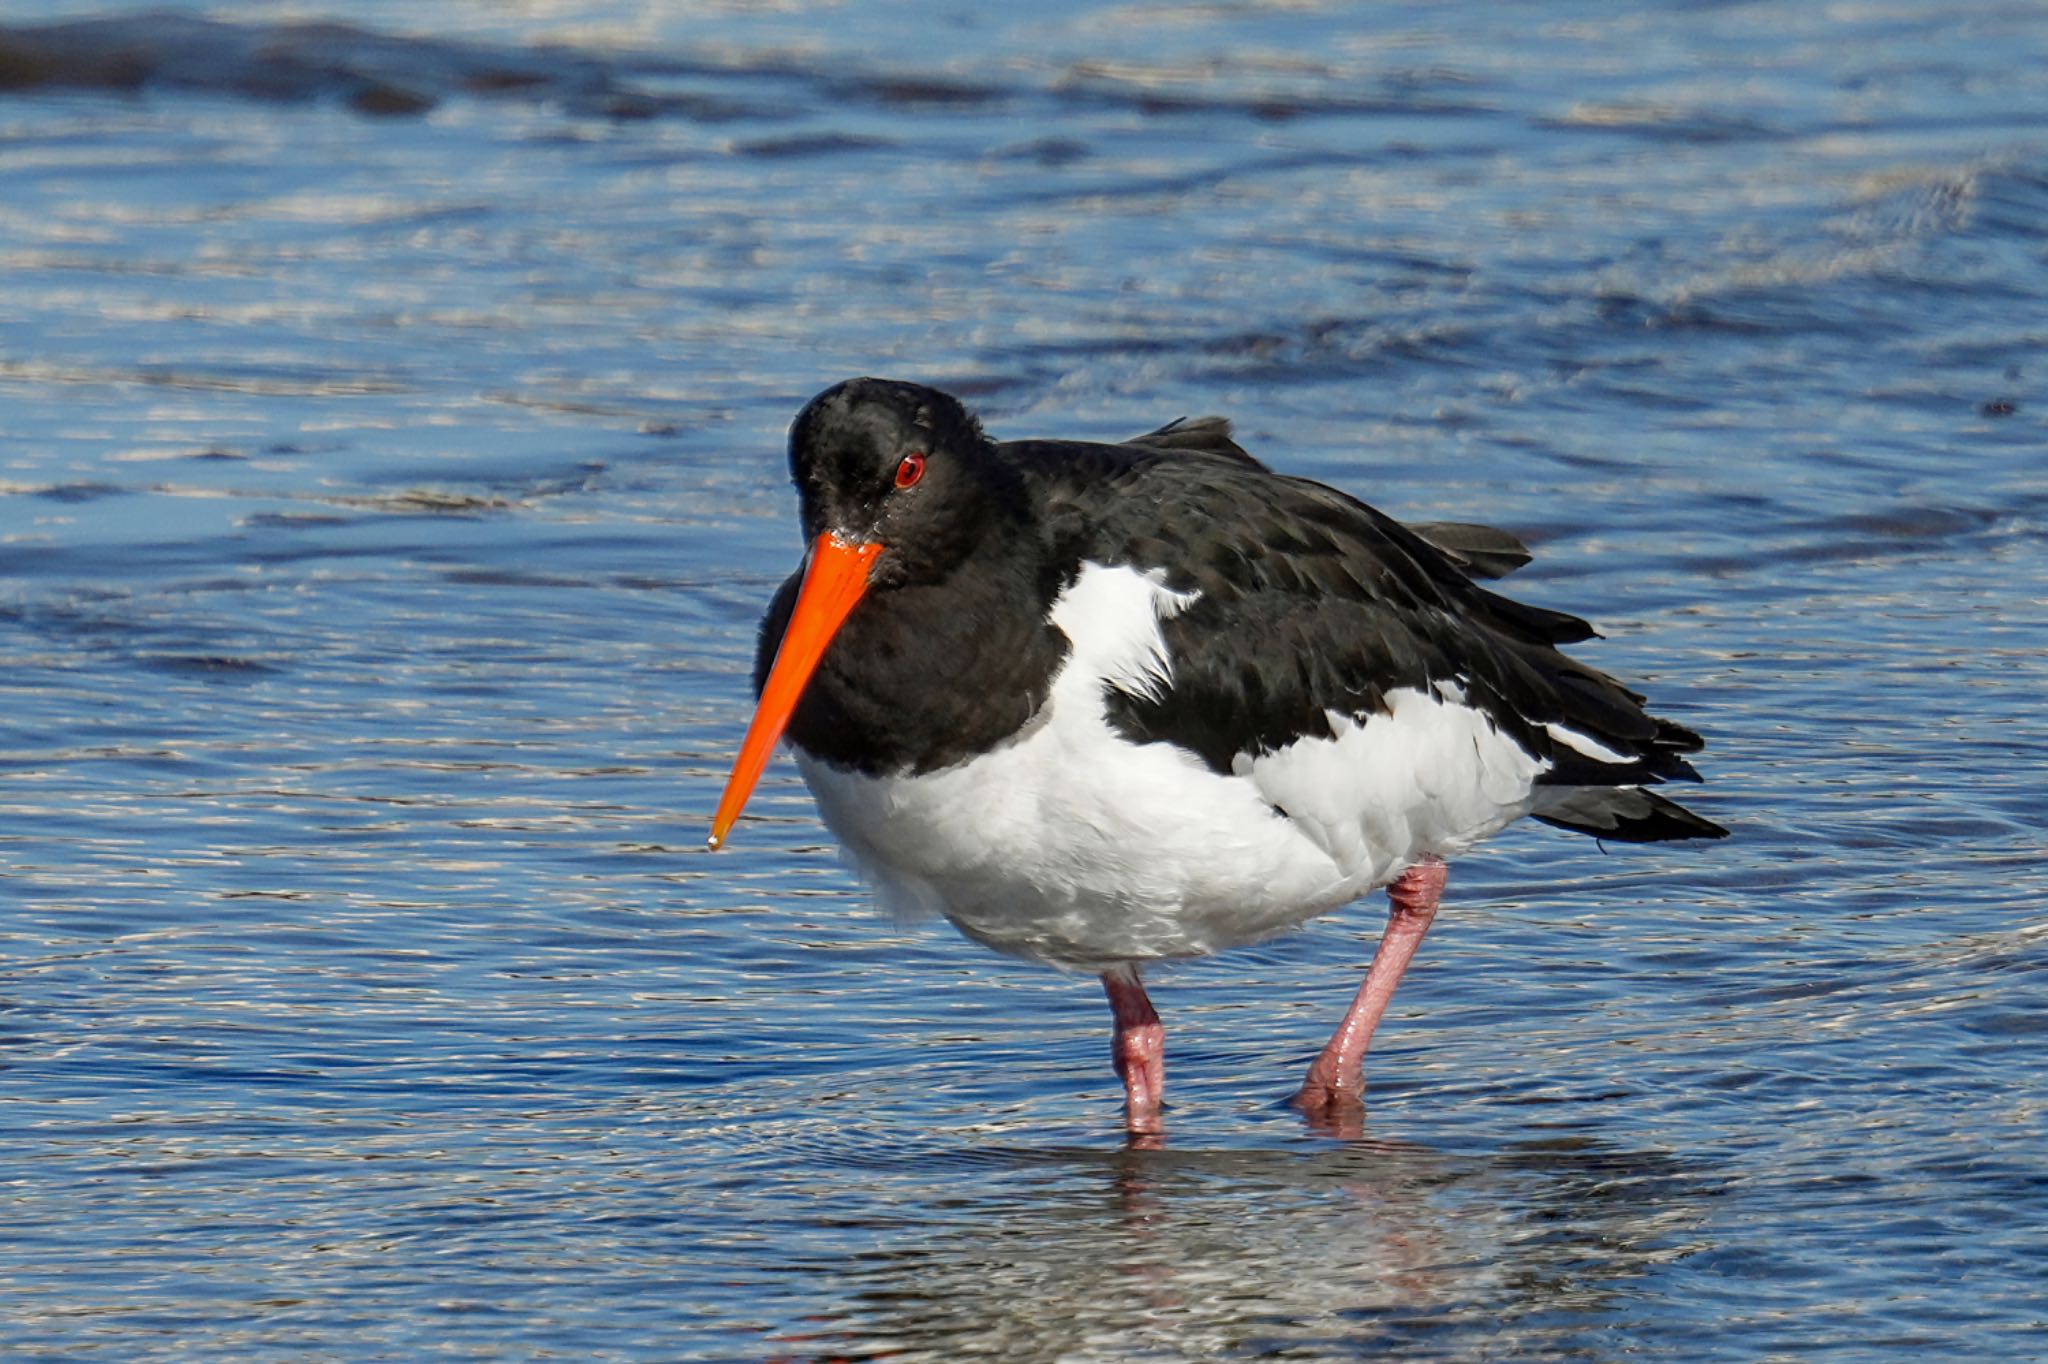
{"x":391,"y":475}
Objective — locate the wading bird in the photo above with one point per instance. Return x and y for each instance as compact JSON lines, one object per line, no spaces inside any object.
{"x":1104,"y":705}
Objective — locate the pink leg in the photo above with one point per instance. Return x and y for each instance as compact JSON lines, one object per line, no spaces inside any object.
{"x":1337,"y":1079}
{"x":1138,"y":1051}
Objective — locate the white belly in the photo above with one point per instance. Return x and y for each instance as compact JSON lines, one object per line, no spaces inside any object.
{"x":1071,"y":845}
{"x":1045,"y":850}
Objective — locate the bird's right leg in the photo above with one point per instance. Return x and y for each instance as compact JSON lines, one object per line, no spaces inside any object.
{"x":1138,"y":1050}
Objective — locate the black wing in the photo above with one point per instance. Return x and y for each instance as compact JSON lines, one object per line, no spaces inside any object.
{"x":1204,"y":435}
{"x":1312,"y":603}
{"x":1478,"y":551}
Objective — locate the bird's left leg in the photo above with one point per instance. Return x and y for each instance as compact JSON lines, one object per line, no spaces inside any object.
{"x":1138,"y":1050}
{"x":1337,"y":1079}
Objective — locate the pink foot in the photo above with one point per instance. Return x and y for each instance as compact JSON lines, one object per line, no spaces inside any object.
{"x":1332,"y":1097}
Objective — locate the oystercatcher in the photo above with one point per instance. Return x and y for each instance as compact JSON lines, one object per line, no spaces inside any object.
{"x":1102,"y":705}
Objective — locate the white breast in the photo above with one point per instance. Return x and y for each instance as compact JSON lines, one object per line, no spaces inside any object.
{"x":1072,"y":845}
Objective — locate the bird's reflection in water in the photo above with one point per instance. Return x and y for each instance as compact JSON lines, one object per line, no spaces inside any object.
{"x":1164,"y":1253}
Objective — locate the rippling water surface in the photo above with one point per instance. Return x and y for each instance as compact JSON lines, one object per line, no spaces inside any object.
{"x":390,"y":477}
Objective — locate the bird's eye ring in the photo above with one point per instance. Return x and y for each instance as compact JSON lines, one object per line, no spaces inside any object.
{"x":910,"y":470}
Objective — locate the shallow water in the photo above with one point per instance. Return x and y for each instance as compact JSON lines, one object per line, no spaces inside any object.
{"x":392,"y":476}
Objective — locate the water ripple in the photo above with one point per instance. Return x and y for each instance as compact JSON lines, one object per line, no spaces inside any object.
{"x":388,"y":502}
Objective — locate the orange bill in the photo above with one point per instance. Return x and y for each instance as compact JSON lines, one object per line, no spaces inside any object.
{"x":834,"y":580}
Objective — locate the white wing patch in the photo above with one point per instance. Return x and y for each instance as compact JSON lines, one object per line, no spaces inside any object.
{"x":1587,"y":747}
{"x":1111,"y":617}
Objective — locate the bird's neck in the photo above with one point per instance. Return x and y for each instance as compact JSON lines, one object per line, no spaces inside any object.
{"x":925,"y":676}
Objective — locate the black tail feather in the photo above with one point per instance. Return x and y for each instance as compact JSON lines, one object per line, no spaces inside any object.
{"x":1625,"y":814}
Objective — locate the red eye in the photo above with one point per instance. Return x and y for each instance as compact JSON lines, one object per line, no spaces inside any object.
{"x":911,"y":469}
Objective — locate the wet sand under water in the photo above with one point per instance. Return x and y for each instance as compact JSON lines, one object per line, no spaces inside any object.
{"x":392,"y":476}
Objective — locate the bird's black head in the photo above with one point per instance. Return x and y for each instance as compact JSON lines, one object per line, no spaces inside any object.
{"x":902,"y":466}
{"x":898,"y":488}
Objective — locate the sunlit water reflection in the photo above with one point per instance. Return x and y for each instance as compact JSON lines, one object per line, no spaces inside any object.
{"x":392,"y":478}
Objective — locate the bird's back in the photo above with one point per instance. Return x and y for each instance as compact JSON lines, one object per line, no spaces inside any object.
{"x":1311,"y":610}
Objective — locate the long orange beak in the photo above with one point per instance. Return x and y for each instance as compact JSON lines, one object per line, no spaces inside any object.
{"x":834,"y":581}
